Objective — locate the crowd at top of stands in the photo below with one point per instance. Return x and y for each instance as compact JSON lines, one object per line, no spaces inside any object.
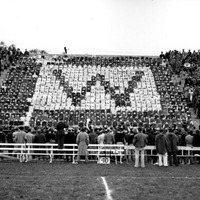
{"x":10,"y":55}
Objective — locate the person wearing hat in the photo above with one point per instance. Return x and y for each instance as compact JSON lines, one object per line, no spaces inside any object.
{"x":161,"y":148}
{"x":82,"y":141}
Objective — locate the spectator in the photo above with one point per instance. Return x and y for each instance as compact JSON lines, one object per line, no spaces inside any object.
{"x":70,"y":138}
{"x":196,"y":142}
{"x":189,"y":143}
{"x":172,"y":148}
{"x":140,"y":141}
{"x":29,"y":137}
{"x":2,"y":137}
{"x":83,"y":141}
{"x":61,"y":133}
{"x":109,"y":138}
{"x":40,"y":139}
{"x":20,"y":139}
{"x":100,"y":140}
{"x":161,"y":148}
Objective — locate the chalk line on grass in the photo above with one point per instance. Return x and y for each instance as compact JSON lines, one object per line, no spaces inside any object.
{"x":108,"y":191}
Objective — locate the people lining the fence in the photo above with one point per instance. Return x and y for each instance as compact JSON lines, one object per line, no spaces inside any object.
{"x":173,"y":137}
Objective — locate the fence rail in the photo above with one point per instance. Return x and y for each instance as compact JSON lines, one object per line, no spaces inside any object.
{"x":24,"y":151}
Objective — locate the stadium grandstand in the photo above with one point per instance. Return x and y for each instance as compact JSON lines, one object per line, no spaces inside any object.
{"x":101,"y":93}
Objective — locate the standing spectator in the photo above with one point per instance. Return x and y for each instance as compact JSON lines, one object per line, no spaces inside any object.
{"x":40,"y":139}
{"x":130,"y":152}
{"x":20,"y":139}
{"x":196,"y":142}
{"x":100,"y":140}
{"x":109,"y":137}
{"x":83,"y":141}
{"x":161,"y":148}
{"x":61,"y":133}
{"x":70,"y":138}
{"x":2,"y":137}
{"x":29,"y":139}
{"x":189,"y":143}
{"x":93,"y":137}
{"x":93,"y":140}
{"x":140,"y":141}
{"x":172,"y":148}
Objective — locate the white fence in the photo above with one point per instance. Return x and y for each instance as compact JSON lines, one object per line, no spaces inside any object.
{"x":24,"y":151}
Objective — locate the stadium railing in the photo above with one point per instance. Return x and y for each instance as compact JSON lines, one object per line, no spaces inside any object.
{"x":23,"y":151}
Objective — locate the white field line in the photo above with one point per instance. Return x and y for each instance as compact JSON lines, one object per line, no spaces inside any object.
{"x":108,"y":191}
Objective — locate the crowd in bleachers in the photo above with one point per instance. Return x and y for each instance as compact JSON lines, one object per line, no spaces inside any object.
{"x":186,"y":67}
{"x":111,"y":91}
{"x":9,"y":56}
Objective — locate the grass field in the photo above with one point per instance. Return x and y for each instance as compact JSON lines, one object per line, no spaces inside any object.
{"x":40,"y":180}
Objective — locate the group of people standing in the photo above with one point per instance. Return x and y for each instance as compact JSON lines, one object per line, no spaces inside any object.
{"x":166,"y":141}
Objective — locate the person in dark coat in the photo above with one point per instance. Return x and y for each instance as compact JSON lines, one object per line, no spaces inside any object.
{"x":161,"y":148}
{"x":70,"y":138}
{"x":2,"y":137}
{"x":196,"y":142}
{"x":61,"y":133}
{"x":40,"y":138}
{"x":172,"y":148}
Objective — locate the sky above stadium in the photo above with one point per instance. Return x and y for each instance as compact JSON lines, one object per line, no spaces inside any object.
{"x":112,"y":27}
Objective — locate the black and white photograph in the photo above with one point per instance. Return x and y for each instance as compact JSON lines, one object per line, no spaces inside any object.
{"x":99,"y":100}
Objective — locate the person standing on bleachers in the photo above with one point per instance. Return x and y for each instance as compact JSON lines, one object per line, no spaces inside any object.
{"x":140,"y":141}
